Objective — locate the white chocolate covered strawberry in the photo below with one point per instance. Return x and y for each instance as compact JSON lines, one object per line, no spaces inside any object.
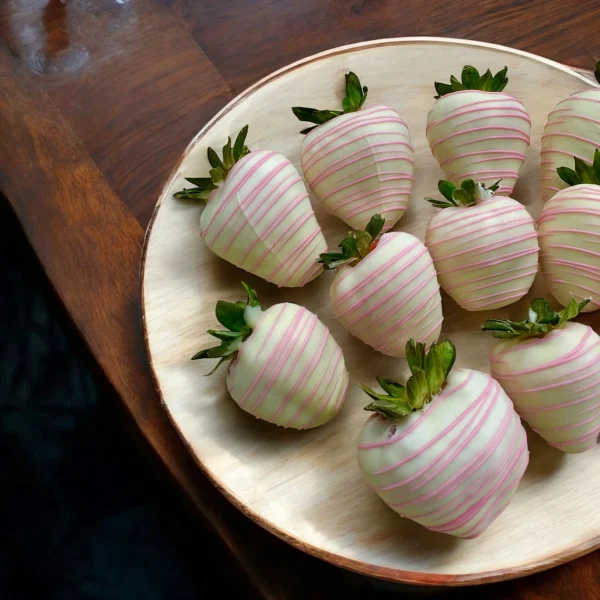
{"x":285,"y":368}
{"x":572,"y":131}
{"x":484,"y":247}
{"x":358,"y":161}
{"x":550,"y":368}
{"x":385,"y":291}
{"x":477,"y":132}
{"x":569,"y":235}
{"x":448,"y":451}
{"x":258,"y":214}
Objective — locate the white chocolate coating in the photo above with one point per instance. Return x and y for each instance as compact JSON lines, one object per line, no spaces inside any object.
{"x":486,"y":255}
{"x":554,"y":383}
{"x":479,"y":135}
{"x":290,"y":371}
{"x":454,"y":466}
{"x":573,"y":129}
{"x":569,"y":235}
{"x":261,"y":220}
{"x":392,"y":295}
{"x":359,"y":164}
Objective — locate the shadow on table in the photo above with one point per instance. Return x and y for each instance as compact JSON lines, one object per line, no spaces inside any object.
{"x":84,"y":515}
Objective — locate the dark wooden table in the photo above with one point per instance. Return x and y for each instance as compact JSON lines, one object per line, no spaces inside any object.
{"x":98,"y":98}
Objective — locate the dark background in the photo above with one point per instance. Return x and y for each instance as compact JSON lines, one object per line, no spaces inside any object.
{"x":84,"y":511}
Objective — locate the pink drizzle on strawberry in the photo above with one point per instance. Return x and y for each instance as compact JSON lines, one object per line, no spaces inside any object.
{"x":390,"y":296}
{"x":558,"y":397}
{"x":479,"y":135}
{"x":261,"y":219}
{"x":361,"y":163}
{"x":455,"y":474}
{"x":569,"y":232}
{"x":290,"y":371}
{"x":573,"y":129}
{"x":486,"y":256}
{"x":447,"y":392}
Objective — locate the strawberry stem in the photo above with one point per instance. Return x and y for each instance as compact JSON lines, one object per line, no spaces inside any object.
{"x":355,"y":246}
{"x":583,"y":172}
{"x":220,"y":169}
{"x":239,"y":319}
{"x":467,"y":195}
{"x":471,"y":80}
{"x":429,"y":371}
{"x":353,"y":101}
{"x":542,"y":320}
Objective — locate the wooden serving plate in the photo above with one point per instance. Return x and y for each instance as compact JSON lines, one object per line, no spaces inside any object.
{"x":306,"y":487}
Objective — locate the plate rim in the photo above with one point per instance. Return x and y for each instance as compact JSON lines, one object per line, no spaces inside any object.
{"x":364,"y":568}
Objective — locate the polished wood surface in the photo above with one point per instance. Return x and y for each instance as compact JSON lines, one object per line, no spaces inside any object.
{"x":98,"y":99}
{"x":307,"y":487}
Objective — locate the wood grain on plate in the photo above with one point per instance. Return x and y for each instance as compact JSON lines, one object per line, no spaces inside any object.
{"x":306,"y":486}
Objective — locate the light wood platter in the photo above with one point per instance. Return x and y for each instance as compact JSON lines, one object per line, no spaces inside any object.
{"x":306,"y":487}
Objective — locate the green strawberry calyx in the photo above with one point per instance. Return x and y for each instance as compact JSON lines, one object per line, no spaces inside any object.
{"x":583,"y":173}
{"x":204,"y":186}
{"x":542,"y":319}
{"x":355,"y":97}
{"x":240,"y":319}
{"x":468,"y":194}
{"x":355,"y":246}
{"x":429,"y":371}
{"x":472,"y":80}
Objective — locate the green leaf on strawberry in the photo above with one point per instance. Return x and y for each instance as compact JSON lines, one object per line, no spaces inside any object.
{"x":471,"y":80}
{"x":583,"y":172}
{"x":500,"y":80}
{"x":456,"y":85}
{"x":388,"y":407}
{"x":438,"y":364}
{"x":352,"y":102}
{"x":252,"y":296}
{"x":442,"y":89}
{"x":466,"y":195}
{"x":417,"y":390}
{"x":486,"y":82}
{"x":355,"y":246}
{"x":415,"y":355}
{"x":220,"y":169}
{"x":429,"y":371}
{"x":470,"y":77}
{"x":231,"y":315}
{"x":542,"y":319}
{"x":375,"y":226}
{"x":393,"y":403}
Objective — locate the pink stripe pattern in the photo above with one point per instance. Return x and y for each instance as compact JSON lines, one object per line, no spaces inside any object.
{"x":261,"y":220}
{"x":454,"y":466}
{"x":569,"y":235}
{"x":559,"y":396}
{"x":390,"y":296}
{"x":573,"y":129}
{"x":359,"y":164}
{"x":479,"y":135}
{"x":486,"y":256}
{"x":290,"y":371}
